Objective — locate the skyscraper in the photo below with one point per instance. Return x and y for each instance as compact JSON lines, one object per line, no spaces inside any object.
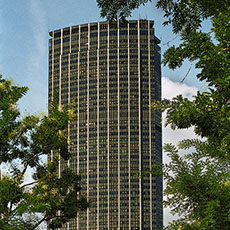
{"x":111,"y":71}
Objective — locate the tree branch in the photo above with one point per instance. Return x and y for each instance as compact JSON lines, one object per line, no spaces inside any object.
{"x":25,"y":185}
{"x":38,"y":223}
{"x":44,"y":219}
{"x":28,"y":161}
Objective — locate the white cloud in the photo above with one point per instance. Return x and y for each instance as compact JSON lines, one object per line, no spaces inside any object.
{"x":171,"y":89}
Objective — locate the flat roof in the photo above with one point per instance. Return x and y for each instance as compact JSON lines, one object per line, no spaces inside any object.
{"x":56,"y":32}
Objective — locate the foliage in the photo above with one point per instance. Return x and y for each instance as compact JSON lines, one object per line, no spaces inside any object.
{"x":119,"y":9}
{"x":183,"y":225}
{"x":206,"y":177}
{"x":183,"y":15}
{"x":23,"y":141}
{"x":198,"y":183}
{"x":197,"y":187}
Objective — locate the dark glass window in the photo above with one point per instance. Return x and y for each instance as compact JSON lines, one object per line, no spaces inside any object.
{"x":58,"y":41}
{"x":104,"y":33}
{"x":94,"y":34}
{"x":123,"y":32}
{"x":75,"y":30}
{"x":113,"y":33}
{"x":66,"y":39}
{"x":144,"y":32}
{"x":84,"y":29}
{"x":66,"y":32}
{"x":133,"y":32}
{"x":94,"y":27}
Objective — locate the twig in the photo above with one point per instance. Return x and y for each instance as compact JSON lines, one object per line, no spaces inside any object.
{"x":187,"y":73}
{"x":25,"y":185}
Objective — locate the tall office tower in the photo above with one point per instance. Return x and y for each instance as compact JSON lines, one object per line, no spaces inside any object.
{"x":111,"y":71}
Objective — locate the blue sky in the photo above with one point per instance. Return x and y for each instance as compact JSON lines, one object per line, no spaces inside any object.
{"x":24,"y":27}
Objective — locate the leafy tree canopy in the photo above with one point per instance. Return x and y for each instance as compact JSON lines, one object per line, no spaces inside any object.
{"x":23,"y":141}
{"x":197,"y":183}
{"x":197,"y":188}
{"x":181,"y":14}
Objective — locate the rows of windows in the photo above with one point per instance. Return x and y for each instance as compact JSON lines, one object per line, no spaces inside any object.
{"x":109,"y":140}
{"x":101,"y":34}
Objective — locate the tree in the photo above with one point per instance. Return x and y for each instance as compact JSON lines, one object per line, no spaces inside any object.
{"x":23,"y":141}
{"x":197,"y":186}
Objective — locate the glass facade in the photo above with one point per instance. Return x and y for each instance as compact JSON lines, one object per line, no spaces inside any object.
{"x":111,"y":71}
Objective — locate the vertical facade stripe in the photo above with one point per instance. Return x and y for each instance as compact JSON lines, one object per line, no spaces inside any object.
{"x":150,"y":129}
{"x":88,"y":124}
{"x":60,"y":94}
{"x":60,"y":82}
{"x":52,"y":89}
{"x":61,"y":41}
{"x":98,"y":127}
{"x":79,"y":38}
{"x":69,"y":95}
{"x":139,"y":109}
{"x":69,"y":99}
{"x":78,"y":108}
{"x":70,"y":40}
{"x":78,"y":115}
{"x":108,"y":149}
{"x":129,"y":150}
{"x":118,"y":128}
{"x":60,"y":72}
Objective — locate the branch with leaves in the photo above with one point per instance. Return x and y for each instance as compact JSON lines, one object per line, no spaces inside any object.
{"x":197,"y":183}
{"x":23,"y":142}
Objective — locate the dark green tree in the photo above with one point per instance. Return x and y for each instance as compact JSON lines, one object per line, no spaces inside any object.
{"x":49,"y":197}
{"x":198,"y":188}
{"x":197,"y":184}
